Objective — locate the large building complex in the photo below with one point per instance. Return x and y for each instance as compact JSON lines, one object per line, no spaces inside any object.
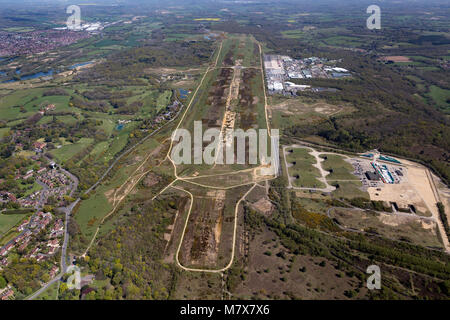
{"x":280,"y":69}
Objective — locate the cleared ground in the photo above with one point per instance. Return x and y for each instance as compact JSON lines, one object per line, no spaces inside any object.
{"x":273,"y":273}
{"x":417,"y":231}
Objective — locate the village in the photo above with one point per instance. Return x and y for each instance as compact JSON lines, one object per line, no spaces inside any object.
{"x":37,"y":41}
{"x":39,"y":235}
{"x":40,"y":239}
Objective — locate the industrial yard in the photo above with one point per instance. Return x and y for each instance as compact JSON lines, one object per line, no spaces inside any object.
{"x":281,"y":69}
{"x":393,"y":181}
{"x":404,"y":192}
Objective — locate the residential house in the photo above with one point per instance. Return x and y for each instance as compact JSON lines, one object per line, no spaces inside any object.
{"x":39,"y":146}
{"x":7,"y":294}
{"x":54,"y":271}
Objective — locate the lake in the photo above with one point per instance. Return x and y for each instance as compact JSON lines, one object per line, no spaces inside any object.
{"x":42,"y":74}
{"x":31,"y":76}
{"x":183,"y":93}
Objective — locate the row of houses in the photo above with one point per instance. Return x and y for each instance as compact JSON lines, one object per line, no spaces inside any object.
{"x":5,"y":250}
{"x":7,"y":294}
{"x":57,"y":230}
{"x":58,"y":186}
{"x":38,"y":223}
{"x":6,"y":196}
{"x":39,"y":146}
{"x":53,"y":178}
{"x":23,"y":225}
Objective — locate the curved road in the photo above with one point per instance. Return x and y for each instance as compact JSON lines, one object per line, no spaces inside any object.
{"x":67,"y":211}
{"x":236,"y":210}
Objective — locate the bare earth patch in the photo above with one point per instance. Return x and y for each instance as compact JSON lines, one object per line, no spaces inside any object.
{"x":264,"y":206}
{"x":396,"y":59}
{"x":150,"y":180}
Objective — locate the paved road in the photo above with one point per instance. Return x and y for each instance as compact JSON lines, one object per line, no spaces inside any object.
{"x":74,"y":179}
{"x":63,"y":268}
{"x":38,"y":208}
{"x":67,"y":211}
{"x":42,"y":198}
{"x":233,"y":247}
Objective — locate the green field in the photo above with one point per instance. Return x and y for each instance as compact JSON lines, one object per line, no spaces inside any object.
{"x":7,"y":221}
{"x":441,"y":97}
{"x":258,"y":91}
{"x":344,"y":41}
{"x":115,"y":145}
{"x":3,"y":132}
{"x":69,"y":150}
{"x":163,"y":100}
{"x":51,"y":293}
{"x":303,"y":169}
{"x":61,"y":103}
{"x":339,"y":169}
{"x":10,"y":104}
{"x":348,"y":190}
{"x":18,"y":29}
{"x":248,"y":51}
{"x":91,"y":211}
{"x":295,"y":34}
{"x":67,"y":119}
{"x":31,"y":100}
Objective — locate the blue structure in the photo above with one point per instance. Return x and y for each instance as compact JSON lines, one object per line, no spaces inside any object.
{"x":367,"y":155}
{"x":389,"y":159}
{"x":183,"y":93}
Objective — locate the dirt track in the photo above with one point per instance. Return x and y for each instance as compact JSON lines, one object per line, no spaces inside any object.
{"x":318,"y":165}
